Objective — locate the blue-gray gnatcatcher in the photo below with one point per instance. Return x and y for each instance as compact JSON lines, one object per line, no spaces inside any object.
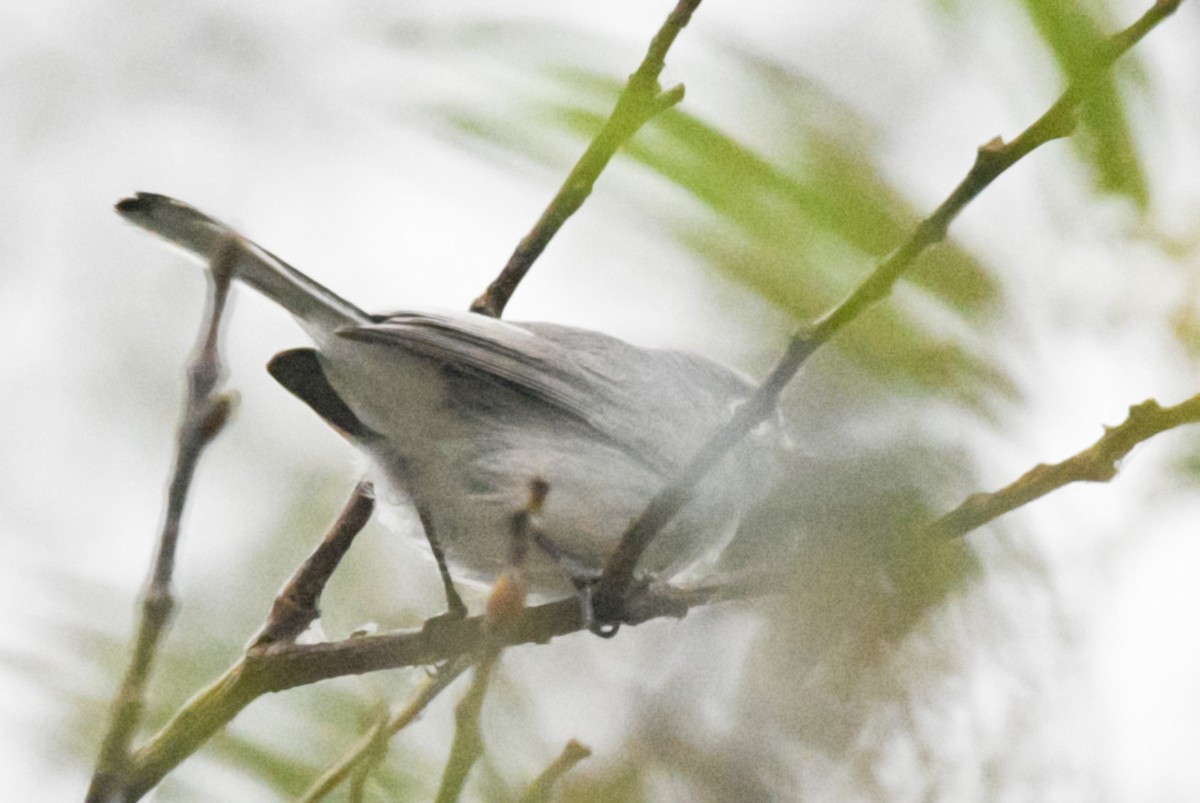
{"x":459,"y":413}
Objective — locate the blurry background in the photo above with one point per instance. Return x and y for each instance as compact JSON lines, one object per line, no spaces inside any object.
{"x":397,"y":152}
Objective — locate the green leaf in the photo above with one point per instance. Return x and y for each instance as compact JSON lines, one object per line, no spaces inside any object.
{"x":798,"y":225}
{"x":1075,"y":32}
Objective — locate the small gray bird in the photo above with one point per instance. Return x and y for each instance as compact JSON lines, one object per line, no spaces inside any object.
{"x":459,"y":413}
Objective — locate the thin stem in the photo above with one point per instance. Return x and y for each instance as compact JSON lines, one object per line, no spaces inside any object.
{"x":400,"y":719}
{"x":297,"y":604}
{"x":468,"y":741}
{"x":1097,"y":463}
{"x":205,"y":413}
{"x":539,"y":791}
{"x":640,"y":101}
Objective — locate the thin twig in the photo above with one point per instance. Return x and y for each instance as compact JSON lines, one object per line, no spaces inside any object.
{"x":297,"y":604}
{"x":468,"y":742}
{"x":640,"y":101}
{"x":205,"y":413}
{"x":1097,"y":463}
{"x":539,"y":791}
{"x":992,"y":159}
{"x":401,"y":718}
{"x":370,"y":757}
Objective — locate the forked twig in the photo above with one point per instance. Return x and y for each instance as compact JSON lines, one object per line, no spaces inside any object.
{"x":286,"y":666}
{"x":506,"y":602}
{"x":205,"y":413}
{"x":289,"y":665}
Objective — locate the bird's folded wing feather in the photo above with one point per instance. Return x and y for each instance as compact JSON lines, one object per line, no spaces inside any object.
{"x":535,"y":366}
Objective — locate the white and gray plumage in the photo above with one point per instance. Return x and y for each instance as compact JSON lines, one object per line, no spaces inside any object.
{"x":459,"y":413}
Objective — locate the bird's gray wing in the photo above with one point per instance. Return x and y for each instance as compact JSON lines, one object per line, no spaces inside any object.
{"x":649,"y":403}
{"x":496,"y":351}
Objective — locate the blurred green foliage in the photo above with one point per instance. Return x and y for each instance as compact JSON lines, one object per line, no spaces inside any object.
{"x":1073,"y":32}
{"x":799,"y":227}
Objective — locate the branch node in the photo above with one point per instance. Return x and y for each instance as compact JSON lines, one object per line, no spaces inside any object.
{"x":931,"y":231}
{"x":1147,"y":409}
{"x":992,"y":146}
{"x":668,"y":98}
{"x":1061,"y":123}
{"x":216,"y":415}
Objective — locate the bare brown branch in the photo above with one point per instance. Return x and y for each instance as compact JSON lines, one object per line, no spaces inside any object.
{"x":297,"y":604}
{"x":640,"y":101}
{"x":205,"y":413}
{"x":1097,"y":463}
{"x":992,"y":159}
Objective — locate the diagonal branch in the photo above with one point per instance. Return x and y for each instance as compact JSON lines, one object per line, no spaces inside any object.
{"x":1097,"y":463}
{"x":992,"y":159}
{"x":640,"y":101}
{"x":400,"y":719}
{"x":296,"y":605}
{"x":205,"y":413}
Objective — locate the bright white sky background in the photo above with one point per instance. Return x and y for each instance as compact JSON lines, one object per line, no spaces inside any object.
{"x":305,"y":124}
